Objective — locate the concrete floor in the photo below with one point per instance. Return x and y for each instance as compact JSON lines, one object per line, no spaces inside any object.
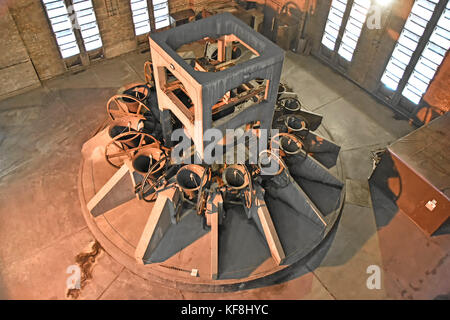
{"x":42,"y":228}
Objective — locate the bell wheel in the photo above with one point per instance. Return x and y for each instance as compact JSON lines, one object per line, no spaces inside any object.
{"x":123,"y":105}
{"x":125,"y":145}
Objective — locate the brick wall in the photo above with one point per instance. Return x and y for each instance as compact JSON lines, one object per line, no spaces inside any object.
{"x":30,"y":51}
{"x":178,"y":5}
{"x":32,"y":23}
{"x":115,"y":22}
{"x":374,"y":46}
{"x":438,"y":94}
{"x":16,"y":70}
{"x":198,"y":5}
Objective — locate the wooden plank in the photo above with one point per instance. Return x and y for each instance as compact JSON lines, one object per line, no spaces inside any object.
{"x":238,"y":99}
{"x":221,"y":50}
{"x":258,"y":18}
{"x":180,"y":106}
{"x":212,"y":212}
{"x":232,"y":37}
{"x":152,"y":231}
{"x":109,"y":187}
{"x":215,"y":245}
{"x":275,"y":247}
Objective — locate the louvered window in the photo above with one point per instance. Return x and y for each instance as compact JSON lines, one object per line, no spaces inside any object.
{"x":430,"y":59}
{"x":62,"y":27}
{"x":140,"y":16}
{"x":87,"y":23}
{"x":353,"y":28}
{"x":416,"y":23}
{"x":161,"y":13}
{"x":334,"y":23}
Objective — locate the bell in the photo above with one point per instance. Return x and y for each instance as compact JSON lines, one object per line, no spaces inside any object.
{"x":235,"y":177}
{"x":146,"y":158}
{"x":270,"y":164}
{"x":295,"y":123}
{"x":290,"y":144}
{"x":138,"y":93}
{"x":189,"y":179}
{"x":121,"y":126}
{"x":291,"y":106}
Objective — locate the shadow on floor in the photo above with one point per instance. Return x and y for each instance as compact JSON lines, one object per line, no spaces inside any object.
{"x":298,"y":268}
{"x":443,"y":230}
{"x":385,"y":187}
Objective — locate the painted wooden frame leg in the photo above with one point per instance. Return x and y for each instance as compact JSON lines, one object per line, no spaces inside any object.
{"x":215,"y":245}
{"x":275,"y":247}
{"x":157,"y":223}
{"x":213,"y":206}
{"x":118,"y":190}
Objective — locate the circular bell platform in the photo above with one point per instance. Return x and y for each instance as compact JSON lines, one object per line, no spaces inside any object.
{"x":182,"y":258}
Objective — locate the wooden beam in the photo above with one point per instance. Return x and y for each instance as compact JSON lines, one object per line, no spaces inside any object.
{"x":238,"y":99}
{"x":213,"y":206}
{"x":180,"y":106}
{"x":215,"y":245}
{"x":232,"y":37}
{"x":275,"y":247}
{"x":221,"y":50}
{"x":118,"y":190}
{"x":157,"y":223}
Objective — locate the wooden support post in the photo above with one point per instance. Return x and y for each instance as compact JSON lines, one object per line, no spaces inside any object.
{"x":221,"y":50}
{"x":158,"y":222}
{"x":228,"y":48}
{"x":276,"y":249}
{"x":213,"y":207}
{"x":215,"y":245}
{"x":258,"y":18}
{"x":118,"y":190}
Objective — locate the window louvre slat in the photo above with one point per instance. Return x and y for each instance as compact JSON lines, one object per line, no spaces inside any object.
{"x":62,"y":27}
{"x":410,"y":36}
